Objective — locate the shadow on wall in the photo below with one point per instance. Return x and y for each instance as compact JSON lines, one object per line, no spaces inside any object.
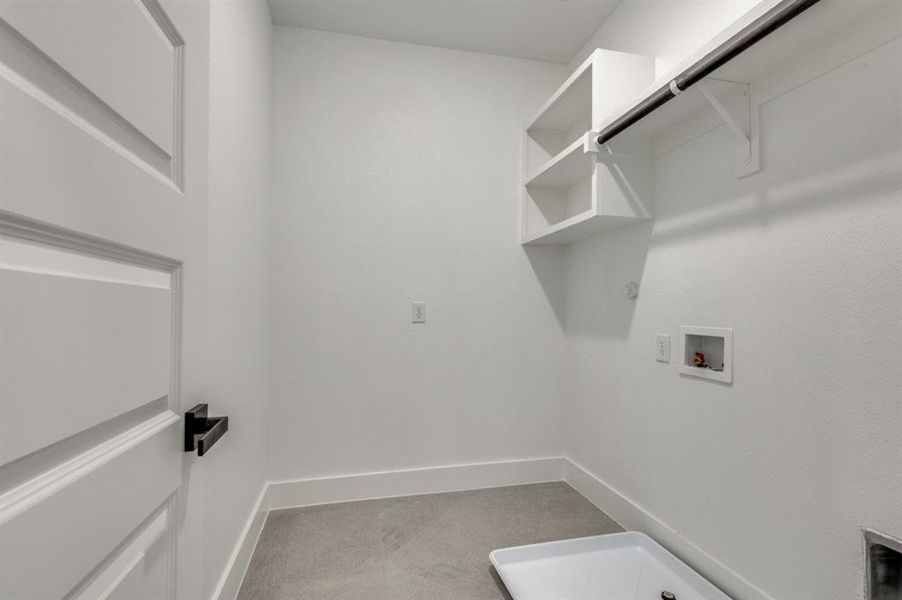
{"x":591,"y":300}
{"x":599,"y":270}
{"x":549,"y":265}
{"x":765,"y":201}
{"x":602,"y":307}
{"x":622,"y":185}
{"x":829,"y":158}
{"x":816,"y":155}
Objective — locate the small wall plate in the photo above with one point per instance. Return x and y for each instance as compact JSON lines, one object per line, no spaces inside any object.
{"x":716,"y":343}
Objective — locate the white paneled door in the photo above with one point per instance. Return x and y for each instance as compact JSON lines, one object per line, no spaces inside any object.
{"x":103,"y":129}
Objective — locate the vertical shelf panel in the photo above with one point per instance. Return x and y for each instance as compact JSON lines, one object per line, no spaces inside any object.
{"x":571,"y":187}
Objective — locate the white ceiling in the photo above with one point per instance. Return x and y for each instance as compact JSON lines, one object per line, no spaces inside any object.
{"x":549,"y":30}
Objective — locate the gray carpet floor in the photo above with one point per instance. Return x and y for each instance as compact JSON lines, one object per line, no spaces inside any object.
{"x":432,"y":547}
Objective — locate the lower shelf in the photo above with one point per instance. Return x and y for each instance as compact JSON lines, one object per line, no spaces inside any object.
{"x":578,"y":227}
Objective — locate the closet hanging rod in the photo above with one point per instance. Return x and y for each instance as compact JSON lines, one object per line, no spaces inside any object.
{"x":757,"y":30}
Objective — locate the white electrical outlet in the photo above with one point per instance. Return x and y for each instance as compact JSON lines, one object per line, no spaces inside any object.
{"x":418,"y":312}
{"x":662,"y":348}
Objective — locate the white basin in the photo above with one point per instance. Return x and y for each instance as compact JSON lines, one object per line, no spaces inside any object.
{"x":618,"y":566}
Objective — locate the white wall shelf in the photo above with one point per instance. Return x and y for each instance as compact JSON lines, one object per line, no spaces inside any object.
{"x":569,"y":108}
{"x":578,"y":227}
{"x":730,"y":84}
{"x":569,"y":166}
{"x":571,"y":187}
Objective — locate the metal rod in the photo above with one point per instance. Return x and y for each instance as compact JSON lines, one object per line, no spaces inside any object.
{"x":760,"y":28}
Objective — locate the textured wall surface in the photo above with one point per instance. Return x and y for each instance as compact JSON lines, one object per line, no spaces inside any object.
{"x":396,"y":179}
{"x":775,"y":474}
{"x":669,"y":30}
{"x":237,"y":320}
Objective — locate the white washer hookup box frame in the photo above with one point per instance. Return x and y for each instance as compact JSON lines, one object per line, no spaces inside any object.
{"x":717,"y":345}
{"x":601,"y":567}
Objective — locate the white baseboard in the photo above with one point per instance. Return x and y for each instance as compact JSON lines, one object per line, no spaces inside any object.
{"x":233,"y":574}
{"x":634,"y":517}
{"x":431,"y":480}
{"x":411,"y":482}
{"x":384,"y":484}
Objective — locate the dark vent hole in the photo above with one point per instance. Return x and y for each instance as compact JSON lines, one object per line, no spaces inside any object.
{"x":884,"y":566}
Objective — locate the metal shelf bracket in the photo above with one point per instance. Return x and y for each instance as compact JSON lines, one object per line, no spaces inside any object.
{"x":743,"y":126}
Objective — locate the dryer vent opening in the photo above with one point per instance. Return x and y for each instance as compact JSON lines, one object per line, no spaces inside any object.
{"x":883,"y":555}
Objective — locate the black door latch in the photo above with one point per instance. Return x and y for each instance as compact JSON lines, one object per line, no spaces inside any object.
{"x":201,"y":432}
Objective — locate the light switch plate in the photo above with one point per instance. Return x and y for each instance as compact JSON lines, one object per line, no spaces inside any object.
{"x":662,"y":348}
{"x":418,"y":312}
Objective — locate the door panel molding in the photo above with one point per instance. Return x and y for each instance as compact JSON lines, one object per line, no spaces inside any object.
{"x":112,"y":577}
{"x":25,"y":230}
{"x":167,"y":28}
{"x":16,"y":255}
{"x":16,"y":226}
{"x":21,"y":471}
{"x":103,"y":159}
{"x":111,"y":342}
{"x":141,"y":443}
{"x":31,"y":493}
{"x":33,"y":71}
{"x":76,"y":519}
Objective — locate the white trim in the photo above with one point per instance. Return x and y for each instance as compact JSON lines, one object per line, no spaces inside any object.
{"x":16,"y":255}
{"x":21,"y":228}
{"x":236,"y":567}
{"x":381,"y":484}
{"x":412,"y":482}
{"x":688,"y":368}
{"x":32,"y":492}
{"x":635,"y":517}
{"x":128,"y":559}
{"x":430,"y":480}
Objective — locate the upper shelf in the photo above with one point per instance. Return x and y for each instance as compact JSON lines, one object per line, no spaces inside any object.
{"x":725,"y":74}
{"x":820,"y":21}
{"x":603,"y":81}
{"x":569,"y":106}
{"x":567,"y":192}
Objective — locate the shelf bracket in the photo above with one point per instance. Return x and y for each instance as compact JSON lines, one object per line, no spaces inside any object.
{"x":612,"y":150}
{"x":589,"y":145}
{"x":744,"y":127}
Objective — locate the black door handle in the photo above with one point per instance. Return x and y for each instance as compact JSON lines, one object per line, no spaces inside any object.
{"x":201,"y":431}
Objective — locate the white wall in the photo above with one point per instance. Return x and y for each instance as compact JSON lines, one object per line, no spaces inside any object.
{"x":396,"y":179}
{"x":395,"y":173}
{"x":237,"y":321}
{"x":774,"y":475}
{"x":669,"y":30}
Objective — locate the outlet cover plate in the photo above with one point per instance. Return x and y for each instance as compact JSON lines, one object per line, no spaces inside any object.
{"x":662,"y":348}
{"x":418,"y":312}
